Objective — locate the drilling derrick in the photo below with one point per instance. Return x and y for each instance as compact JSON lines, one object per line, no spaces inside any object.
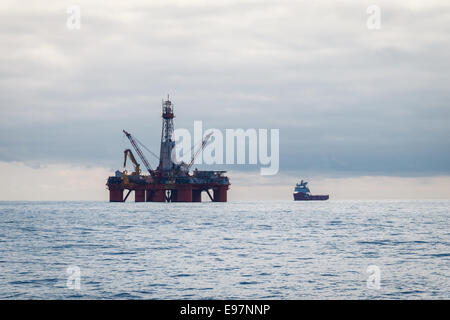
{"x":166,"y":164}
{"x":171,"y":181}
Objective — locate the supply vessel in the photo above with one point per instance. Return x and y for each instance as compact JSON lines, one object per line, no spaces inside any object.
{"x":302,"y":193}
{"x":171,"y":181}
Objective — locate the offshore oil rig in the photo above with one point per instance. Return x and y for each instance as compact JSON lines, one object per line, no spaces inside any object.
{"x":171,"y":181}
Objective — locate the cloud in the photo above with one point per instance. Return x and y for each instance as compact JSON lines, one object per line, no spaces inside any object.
{"x":52,"y":182}
{"x":346,"y":99}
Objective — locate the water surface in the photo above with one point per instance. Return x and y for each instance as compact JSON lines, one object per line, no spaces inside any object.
{"x":245,"y":250}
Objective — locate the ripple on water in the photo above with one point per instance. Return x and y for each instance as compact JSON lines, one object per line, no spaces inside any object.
{"x":245,"y":250}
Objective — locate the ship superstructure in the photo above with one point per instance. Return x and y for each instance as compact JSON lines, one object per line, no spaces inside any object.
{"x":302,"y":193}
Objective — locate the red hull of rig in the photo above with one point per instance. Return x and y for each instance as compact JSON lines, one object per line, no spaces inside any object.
{"x":170,"y":182}
{"x":167,"y":193}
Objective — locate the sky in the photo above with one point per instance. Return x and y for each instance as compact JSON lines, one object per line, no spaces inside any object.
{"x":362,"y":113}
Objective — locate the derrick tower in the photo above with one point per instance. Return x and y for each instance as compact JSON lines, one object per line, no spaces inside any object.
{"x":167,"y":142}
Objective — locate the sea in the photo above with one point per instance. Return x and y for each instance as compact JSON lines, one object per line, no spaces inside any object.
{"x":236,"y":250}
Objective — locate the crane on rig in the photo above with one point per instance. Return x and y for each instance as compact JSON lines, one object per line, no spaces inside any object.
{"x":129,"y":154}
{"x":139,"y":152}
{"x":200,"y":148}
{"x":182,"y":167}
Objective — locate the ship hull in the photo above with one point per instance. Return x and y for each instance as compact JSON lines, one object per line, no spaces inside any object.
{"x":299,"y":196}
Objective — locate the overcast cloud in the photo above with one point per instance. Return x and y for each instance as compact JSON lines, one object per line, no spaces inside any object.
{"x":348,"y":101}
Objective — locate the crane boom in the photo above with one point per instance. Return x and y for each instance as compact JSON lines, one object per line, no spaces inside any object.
{"x":139,"y":152}
{"x":128,"y":153}
{"x":200,"y":148}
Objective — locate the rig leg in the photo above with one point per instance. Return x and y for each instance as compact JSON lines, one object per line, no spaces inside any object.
{"x":116,"y":195}
{"x":148,"y":195}
{"x":139,"y":195}
{"x":220,"y":194}
{"x":126,"y":197}
{"x":158,"y":196}
{"x":196,"y":195}
{"x":172,"y":195}
{"x":184,"y":194}
{"x":209,"y":195}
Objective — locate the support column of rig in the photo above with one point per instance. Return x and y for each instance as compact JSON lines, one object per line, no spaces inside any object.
{"x":220,"y":194}
{"x":139,"y":195}
{"x":196,"y":195}
{"x":116,"y":195}
{"x":157,"y":195}
{"x":184,"y":193}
